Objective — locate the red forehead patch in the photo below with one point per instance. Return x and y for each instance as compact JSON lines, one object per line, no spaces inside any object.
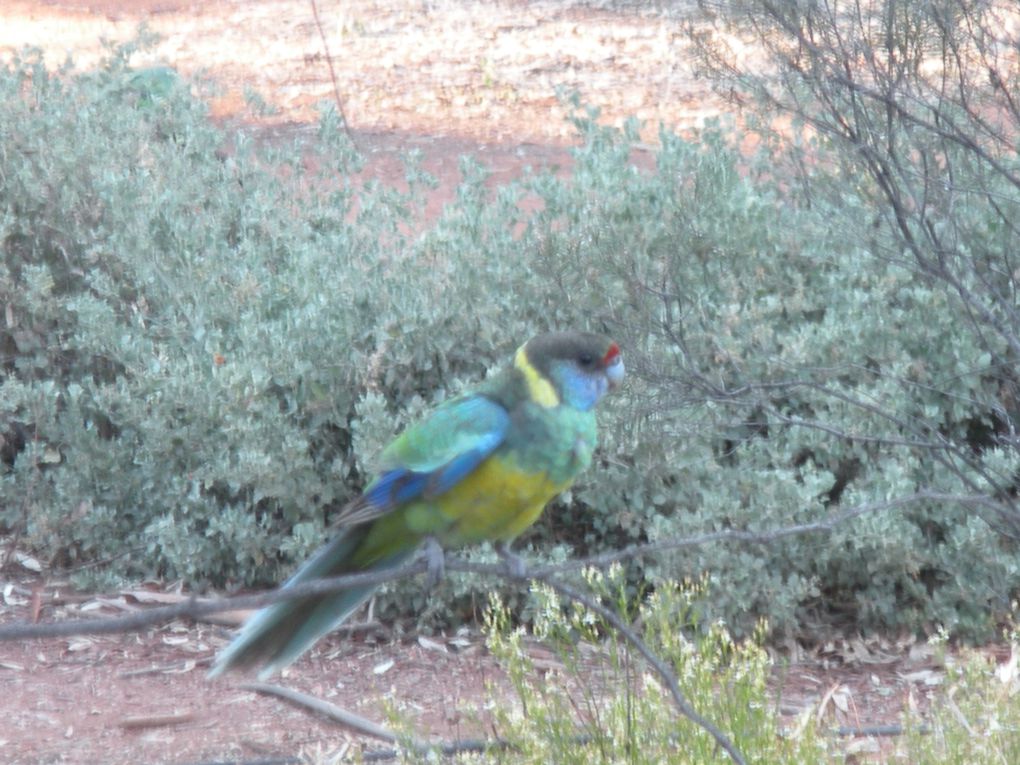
{"x":612,"y":353}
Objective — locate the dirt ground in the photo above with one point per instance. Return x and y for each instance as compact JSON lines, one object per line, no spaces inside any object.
{"x":448,"y":77}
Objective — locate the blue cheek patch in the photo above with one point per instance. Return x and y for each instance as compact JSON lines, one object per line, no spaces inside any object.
{"x":579,"y":390}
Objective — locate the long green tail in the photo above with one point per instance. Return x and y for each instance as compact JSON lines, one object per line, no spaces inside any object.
{"x":278,"y":634}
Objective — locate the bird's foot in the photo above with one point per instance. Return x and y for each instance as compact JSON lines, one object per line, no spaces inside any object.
{"x":516,"y":566}
{"x":435,"y":562}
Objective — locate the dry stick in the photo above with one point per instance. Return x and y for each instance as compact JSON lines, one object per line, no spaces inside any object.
{"x":332,"y":72}
{"x":876,"y":730}
{"x":463,"y":746}
{"x":369,"y":728}
{"x":136,"y":722}
{"x":332,"y":711}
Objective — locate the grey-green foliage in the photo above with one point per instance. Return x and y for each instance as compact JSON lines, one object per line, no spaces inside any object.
{"x":787,"y":368}
{"x":193,"y":325}
{"x":909,"y":152}
{"x":205,"y":342}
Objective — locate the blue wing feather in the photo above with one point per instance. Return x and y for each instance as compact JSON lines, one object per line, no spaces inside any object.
{"x":433,"y":456}
{"x":396,"y":487}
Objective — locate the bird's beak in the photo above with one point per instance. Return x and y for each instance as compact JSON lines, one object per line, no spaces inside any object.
{"x":615,"y":372}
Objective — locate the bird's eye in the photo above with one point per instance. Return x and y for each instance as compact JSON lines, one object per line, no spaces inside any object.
{"x":585,"y":359}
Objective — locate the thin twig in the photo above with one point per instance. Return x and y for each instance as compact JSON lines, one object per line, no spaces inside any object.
{"x":332,"y":72}
{"x":337,"y":714}
{"x":362,"y":725}
{"x":751,"y":537}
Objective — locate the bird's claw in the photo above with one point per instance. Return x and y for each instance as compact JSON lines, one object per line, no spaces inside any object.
{"x":516,"y":566}
{"x":435,"y":563}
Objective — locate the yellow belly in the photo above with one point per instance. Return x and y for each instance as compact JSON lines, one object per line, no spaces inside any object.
{"x":495,"y":502}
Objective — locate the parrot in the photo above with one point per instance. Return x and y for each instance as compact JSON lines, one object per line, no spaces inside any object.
{"x":479,"y":467}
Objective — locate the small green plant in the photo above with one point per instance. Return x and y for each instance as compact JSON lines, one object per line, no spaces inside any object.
{"x":601,"y":704}
{"x":976,"y":717}
{"x":597,"y":703}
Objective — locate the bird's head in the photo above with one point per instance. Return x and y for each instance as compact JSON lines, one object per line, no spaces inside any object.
{"x":575,"y":368}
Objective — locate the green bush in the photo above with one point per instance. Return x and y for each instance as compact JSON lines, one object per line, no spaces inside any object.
{"x":599,"y":702}
{"x":602,"y":704}
{"x":203,"y":337}
{"x":786,"y":369}
{"x":205,"y":342}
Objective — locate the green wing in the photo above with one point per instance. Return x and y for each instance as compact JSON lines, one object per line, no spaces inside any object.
{"x":432,"y":456}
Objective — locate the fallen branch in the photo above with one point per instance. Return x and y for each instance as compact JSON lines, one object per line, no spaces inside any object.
{"x":464,"y":746}
{"x":156,"y":721}
{"x":337,"y":714}
{"x":875,"y":730}
{"x":196,"y":607}
{"x":365,"y":726}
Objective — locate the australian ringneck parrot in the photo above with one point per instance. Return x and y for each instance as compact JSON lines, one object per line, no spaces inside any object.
{"x":480,"y":466}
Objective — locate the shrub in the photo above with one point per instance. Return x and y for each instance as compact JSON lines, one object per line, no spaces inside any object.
{"x":786,"y":368}
{"x":603,"y":705}
{"x":206,"y":340}
{"x":598,"y":702}
{"x":202,"y":334}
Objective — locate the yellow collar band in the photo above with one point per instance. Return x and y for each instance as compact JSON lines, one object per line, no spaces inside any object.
{"x":540,"y":390}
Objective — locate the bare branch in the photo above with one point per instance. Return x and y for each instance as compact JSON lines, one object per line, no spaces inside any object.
{"x":332,"y":71}
{"x":198,"y":607}
{"x":338,"y":715}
